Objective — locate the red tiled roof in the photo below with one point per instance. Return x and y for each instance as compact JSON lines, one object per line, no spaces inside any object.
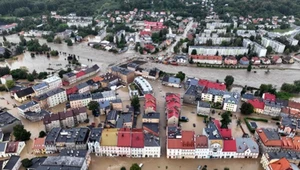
{"x":39,"y":143}
{"x":145,"y":33}
{"x":287,"y":143}
{"x":264,"y":139}
{"x":12,"y":147}
{"x":269,"y":97}
{"x":225,"y":133}
{"x":174,"y":144}
{"x":206,"y":57}
{"x":137,"y":139}
{"x":80,"y":73}
{"x":229,"y":146}
{"x":124,"y":138}
{"x":149,"y":46}
{"x":72,"y":90}
{"x":173,"y":105}
{"x":255,"y":58}
{"x":294,"y":105}
{"x":150,"y":101}
{"x":212,"y":85}
{"x":257,"y":104}
{"x":201,"y":141}
{"x":281,"y":164}
{"x":188,"y":139}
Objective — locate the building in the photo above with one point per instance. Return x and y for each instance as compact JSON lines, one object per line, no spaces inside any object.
{"x":247,"y":96}
{"x":171,"y":81}
{"x":255,"y":47}
{"x":104,"y":96}
{"x":276,"y":46}
{"x":231,"y":103}
{"x":206,"y":59}
{"x":276,"y":60}
{"x":193,"y":94}
{"x":201,"y":147}
{"x":215,"y":39}
{"x":24,"y":94}
{"x":143,"y":85}
{"x":125,"y":120}
{"x":272,"y":108}
{"x":94,"y":141}
{"x":215,"y":139}
{"x":109,"y":80}
{"x":124,"y":142}
{"x":109,"y":142}
{"x":117,"y":104}
{"x":230,"y":60}
{"x":246,"y":148}
{"x":173,"y":109}
{"x":14,"y":163}
{"x":39,"y":146}
{"x":137,"y":143}
{"x":244,"y":61}
{"x":53,"y":82}
{"x":32,"y":106}
{"x":80,"y":100}
{"x":268,"y":140}
{"x":40,"y":88}
{"x":8,"y":122}
{"x":4,"y":78}
{"x":229,"y":149}
{"x":258,"y":105}
{"x":14,"y":148}
{"x":75,"y":138}
{"x":70,"y":78}
{"x":203,"y":108}
{"x":151,"y":117}
{"x":104,"y":107}
{"x":56,"y":97}
{"x":152,"y":147}
{"x":83,"y":88}
{"x":150,"y":103}
{"x":64,"y":162}
{"x":50,"y":141}
{"x":213,"y":50}
{"x":278,"y":160}
{"x":126,"y":75}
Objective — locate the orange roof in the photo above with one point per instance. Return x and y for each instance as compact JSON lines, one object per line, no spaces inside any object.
{"x":293,"y":104}
{"x":174,"y":144}
{"x":97,"y":79}
{"x":201,"y":141}
{"x":296,"y":143}
{"x":265,"y":139}
{"x":206,"y":57}
{"x":287,"y":143}
{"x":281,"y":164}
{"x":188,"y":139}
{"x":39,"y":143}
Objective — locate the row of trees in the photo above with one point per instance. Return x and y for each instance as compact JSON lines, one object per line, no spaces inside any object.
{"x":22,"y":73}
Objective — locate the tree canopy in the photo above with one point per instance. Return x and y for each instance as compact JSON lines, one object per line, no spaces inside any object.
{"x":247,"y":109}
{"x":180,"y":75}
{"x":20,"y":133}
{"x":135,"y":102}
{"x":135,"y":167}
{"x":229,"y":81}
{"x":10,"y":84}
{"x":93,"y":105}
{"x":225,"y":121}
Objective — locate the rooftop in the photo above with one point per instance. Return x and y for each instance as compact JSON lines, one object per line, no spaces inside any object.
{"x":269,"y":97}
{"x":257,"y":104}
{"x":28,"y":105}
{"x":73,"y":135}
{"x":112,"y":115}
{"x":24,"y":92}
{"x":51,"y":136}
{"x":40,"y":86}
{"x":109,"y":137}
{"x":7,"y":119}
{"x":82,"y":85}
{"x":137,"y":138}
{"x":212,"y":131}
{"x":203,"y":104}
{"x":269,"y":137}
{"x":81,"y":96}
{"x":124,"y":118}
{"x":81,"y":153}
{"x":95,"y":135}
{"x":151,"y":127}
{"x":52,"y":79}
{"x":13,"y":160}
{"x":188,"y":139}
{"x":151,"y":115}
{"x":124,"y":138}
{"x":55,"y":91}
{"x":67,"y":162}
{"x":242,"y":144}
{"x":39,"y":143}
{"x":201,"y":141}
{"x":121,"y":70}
{"x":151,"y":140}
{"x":281,"y":164}
{"x":229,"y":146}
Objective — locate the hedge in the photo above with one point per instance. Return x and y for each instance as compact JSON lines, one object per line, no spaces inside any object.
{"x":252,"y":130}
{"x":205,"y":116}
{"x":257,"y":119}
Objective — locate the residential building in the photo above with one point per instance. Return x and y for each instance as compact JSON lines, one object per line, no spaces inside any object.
{"x":14,"y":148}
{"x":183,"y":147}
{"x":64,"y":162}
{"x":276,"y":46}
{"x":272,"y":160}
{"x":137,"y":143}
{"x":50,"y":141}
{"x":150,"y":103}
{"x":173,"y":108}
{"x":126,"y":75}
{"x":244,"y":61}
{"x":104,"y":96}
{"x":117,"y":104}
{"x":36,"y":162}
{"x":272,"y":108}
{"x":39,"y":146}
{"x":8,"y":27}
{"x":40,"y":88}
{"x":109,"y":142}
{"x":206,"y":59}
{"x":125,"y":120}
{"x":119,"y":35}
{"x":143,"y":85}
{"x":213,"y":50}
{"x":24,"y":94}
{"x":230,"y":60}
{"x":6,"y":77}
{"x":215,"y":39}
{"x":288,"y":60}
{"x":8,"y":122}
{"x":229,"y":149}
{"x":268,"y":140}
{"x":257,"y":105}
{"x":255,"y":47}
{"x":80,"y":100}
{"x":276,"y":60}
{"x":152,"y":147}
{"x":151,"y":128}
{"x":83,"y":88}
{"x":14,"y":163}
{"x":32,"y":106}
{"x":53,"y":82}
{"x":193,"y":94}
{"x":151,"y":117}
{"x":288,"y":125}
{"x":104,"y":107}
{"x":293,"y":41}
{"x":203,"y":108}
{"x":70,"y":78}
{"x":201,"y":147}
{"x":94,"y":141}
{"x":56,"y":97}
{"x":231,"y":103}
{"x":75,"y":138}
{"x":124,"y":142}
{"x":181,"y":59}
{"x":132,"y":66}
{"x":247,"y":96}
{"x":109,"y":80}
{"x":246,"y":148}
{"x":215,"y":140}
{"x":171,"y":81}
{"x":255,"y":61}
{"x":111,"y":118}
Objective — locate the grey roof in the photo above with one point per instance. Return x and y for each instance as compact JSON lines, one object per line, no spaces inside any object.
{"x":283,"y":154}
{"x":154,"y":127}
{"x":124,"y":118}
{"x":70,"y":74}
{"x":203,"y":104}
{"x":194,"y":90}
{"x":82,"y":85}
{"x":51,"y":136}
{"x":81,"y":153}
{"x":150,"y":140}
{"x":55,"y":91}
{"x":271,"y":134}
{"x":41,"y":97}
{"x":89,"y":70}
{"x":248,"y":96}
{"x":121,"y":70}
{"x":174,"y":80}
{"x":272,"y":104}
{"x":80,"y":96}
{"x":97,"y":95}
{"x":117,"y":101}
{"x":2,"y":50}
{"x":108,"y":93}
{"x":242,"y":144}
{"x":112,"y":115}
{"x":40,"y":86}
{"x":173,"y":132}
{"x":3,"y":146}
{"x":28,"y":105}
{"x":12,"y":162}
{"x":36,"y":162}
{"x":132,"y":65}
{"x":288,"y":121}
{"x":212,"y":131}
{"x":62,"y":162}
{"x":73,"y":135}
{"x":215,"y":92}
{"x":104,"y":104}
{"x":95,"y":134}
{"x":24,"y":92}
{"x":151,"y":115}
{"x":42,"y":113}
{"x":231,"y":100}
{"x":283,"y":103}
{"x":6,"y":119}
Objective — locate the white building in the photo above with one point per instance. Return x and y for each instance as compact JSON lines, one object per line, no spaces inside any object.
{"x":53,"y":82}
{"x":231,"y":103}
{"x":56,"y":97}
{"x":216,"y":40}
{"x":276,"y":46}
{"x":246,"y":148}
{"x":257,"y":48}
{"x":143,"y":84}
{"x":246,"y":33}
{"x":4,"y":78}
{"x":293,"y":41}
{"x":40,"y":88}
{"x":215,"y":25}
{"x":152,"y":146}
{"x":213,"y":50}
{"x":32,"y":106}
{"x":79,"y":100}
{"x":79,"y":23}
{"x":218,"y":31}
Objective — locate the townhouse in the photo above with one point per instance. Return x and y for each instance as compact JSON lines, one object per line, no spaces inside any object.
{"x":73,"y":77}
{"x":258,"y":105}
{"x":80,"y":100}
{"x":151,"y":128}
{"x":14,"y":148}
{"x":53,"y":82}
{"x":109,"y":142}
{"x":117,"y":104}
{"x":104,"y":96}
{"x":40,"y":88}
{"x":272,"y":108}
{"x":126,"y":75}
{"x":32,"y":106}
{"x":201,"y":147}
{"x":137,"y":143}
{"x":124,"y":142}
{"x":150,"y":103}
{"x":203,"y":108}
{"x":213,"y":50}
{"x":276,"y":46}
{"x":56,"y":97}
{"x":152,"y":147}
{"x":94,"y":141}
{"x":75,"y":138}
{"x":173,"y":108}
{"x":83,"y":88}
{"x":246,"y":148}
{"x":39,"y":146}
{"x":124,"y":120}
{"x":8,"y":122}
{"x":268,"y":140}
{"x":50,"y":141}
{"x":109,"y":80}
{"x":171,"y":81}
{"x":24,"y":94}
{"x":143,"y":85}
{"x":206,"y":59}
{"x":151,"y":117}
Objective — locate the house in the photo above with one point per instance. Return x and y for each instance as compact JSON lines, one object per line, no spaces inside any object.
{"x":231,"y":103}
{"x":109,"y":142}
{"x":137,"y":143}
{"x":53,"y":82}
{"x":288,"y":60}
{"x":244,"y":61}
{"x":246,"y":148}
{"x":150,"y":103}
{"x":230,"y":60}
{"x":255,"y":61}
{"x":206,"y":59}
{"x":117,"y":104}
{"x":269,"y":97}
{"x":14,"y":163}
{"x":276,"y":60}
{"x":182,"y":148}
{"x":79,"y":100}
{"x":181,"y":59}
{"x":151,"y":128}
{"x":173,"y":108}
{"x":6,"y":77}
{"x":151,"y":117}
{"x":109,"y":80}
{"x":104,"y":107}
{"x":203,"y":108}
{"x":268,"y":140}
{"x":8,"y":122}
{"x":288,"y":125}
{"x":94,"y":141}
{"x":247,"y":96}
{"x":152,"y":147}
{"x":258,"y":105}
{"x":32,"y":106}
{"x":83,"y":88}
{"x":40,"y":88}
{"x":193,"y":94}
{"x":229,"y":149}
{"x":265,"y":61}
{"x":171,"y":81}
{"x":124,"y":142}
{"x":14,"y":148}
{"x":111,"y":118}
{"x":39,"y":146}
{"x":125,"y":75}
{"x":24,"y":94}
{"x":56,"y":97}
{"x":272,"y":108}
{"x":201,"y":147}
{"x":125,"y":120}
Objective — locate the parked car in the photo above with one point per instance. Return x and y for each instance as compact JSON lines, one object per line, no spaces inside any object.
{"x":199,"y":167}
{"x":141,"y":165}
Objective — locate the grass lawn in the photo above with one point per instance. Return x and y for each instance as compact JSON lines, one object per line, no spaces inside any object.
{"x":8,"y":17}
{"x":282,"y":30}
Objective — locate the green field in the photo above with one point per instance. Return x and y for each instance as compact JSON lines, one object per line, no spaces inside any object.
{"x":282,"y":30}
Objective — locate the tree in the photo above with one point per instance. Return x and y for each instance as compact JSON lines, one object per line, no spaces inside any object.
{"x":135,"y":102}
{"x":226,"y":168}
{"x":4,"y":71}
{"x":34,"y":74}
{"x":249,"y":68}
{"x":26,"y":163}
{"x":266,"y":88}
{"x":269,"y":49}
{"x":287,"y":51}
{"x":57,"y":40}
{"x":180,"y":75}
{"x":69,"y":42}
{"x":42,"y":134}
{"x":4,"y":38}
{"x":72,"y":34}
{"x":54,"y":53}
{"x":93,"y":105}
{"x":123,"y":168}
{"x":10,"y":84}
{"x":238,"y":122}
{"x":20,"y":133}
{"x":135,"y":166}
{"x":247,"y":109}
{"x":30,"y":77}
{"x":19,"y":73}
{"x":19,"y":50}
{"x":229,"y":81}
{"x":194,"y":52}
{"x":225,"y":121}
{"x":49,"y":39}
{"x":42,"y":75}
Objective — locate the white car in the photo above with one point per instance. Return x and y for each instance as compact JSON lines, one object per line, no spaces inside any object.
{"x":199,"y":167}
{"x":141,"y":165}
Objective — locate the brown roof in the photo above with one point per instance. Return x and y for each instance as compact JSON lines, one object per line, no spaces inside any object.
{"x":281,"y":164}
{"x":12,"y":147}
{"x":97,"y":79}
{"x":294,"y":105}
{"x":296,"y":143}
{"x":287,"y":143}
{"x":54,"y":117}
{"x":188,"y":139}
{"x":267,"y":140}
{"x":62,"y":115}
{"x":201,"y":141}
{"x":69,"y":113}
{"x":39,"y":143}
{"x":206,"y":57}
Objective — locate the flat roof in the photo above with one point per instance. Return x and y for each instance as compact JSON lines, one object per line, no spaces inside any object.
{"x":109,"y":137}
